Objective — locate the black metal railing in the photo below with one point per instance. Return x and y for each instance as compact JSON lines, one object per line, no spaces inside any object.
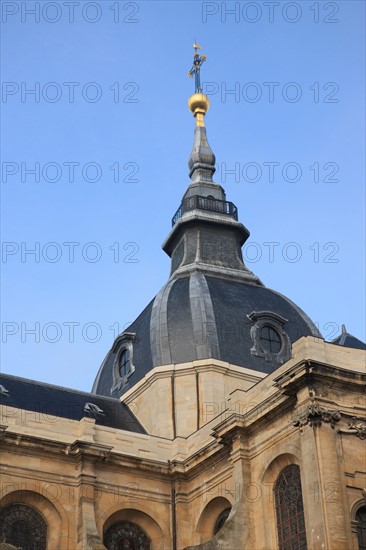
{"x":205,"y":203}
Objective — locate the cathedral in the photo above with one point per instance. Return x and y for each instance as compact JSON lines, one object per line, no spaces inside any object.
{"x":219,"y":419}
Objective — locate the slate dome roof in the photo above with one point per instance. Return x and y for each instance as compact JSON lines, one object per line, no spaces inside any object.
{"x":212,"y":306}
{"x":201,"y":316}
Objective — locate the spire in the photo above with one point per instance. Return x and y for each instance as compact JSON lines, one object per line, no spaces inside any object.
{"x":202,"y":160}
{"x":206,"y":236}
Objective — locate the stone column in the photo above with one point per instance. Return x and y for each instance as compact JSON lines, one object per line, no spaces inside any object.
{"x":240,"y":532}
{"x":87,"y":452}
{"x":88,"y":536}
{"x":332,"y":489}
{"x":326,"y":511}
{"x":312,"y":499}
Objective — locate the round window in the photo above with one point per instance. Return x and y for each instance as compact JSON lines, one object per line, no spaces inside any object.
{"x":270,"y":340}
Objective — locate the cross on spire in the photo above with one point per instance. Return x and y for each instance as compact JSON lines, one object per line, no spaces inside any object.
{"x":195,"y":71}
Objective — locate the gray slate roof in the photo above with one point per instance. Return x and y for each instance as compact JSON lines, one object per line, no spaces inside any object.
{"x":46,"y":399}
{"x":169,"y":330}
{"x":346,"y":339}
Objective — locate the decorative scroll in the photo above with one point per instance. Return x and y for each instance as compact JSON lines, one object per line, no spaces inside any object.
{"x":356,"y":426}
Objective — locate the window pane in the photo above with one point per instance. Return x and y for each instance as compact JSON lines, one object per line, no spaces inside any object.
{"x":124,"y":363}
{"x":270,"y":340}
{"x":23,"y":527}
{"x":125,"y":535}
{"x":289,"y":510}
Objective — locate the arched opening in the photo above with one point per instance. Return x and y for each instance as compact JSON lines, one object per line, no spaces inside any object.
{"x":125,"y":535}
{"x":289,"y":506}
{"x":360,"y":518}
{"x":23,"y":527}
{"x":213,"y":518}
{"x":56,"y":519}
{"x":119,"y":526}
{"x":271,"y":469}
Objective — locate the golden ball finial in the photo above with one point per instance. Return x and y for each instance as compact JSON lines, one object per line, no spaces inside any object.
{"x":199,"y":104}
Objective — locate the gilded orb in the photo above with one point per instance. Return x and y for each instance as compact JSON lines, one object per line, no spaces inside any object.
{"x":198,"y":102}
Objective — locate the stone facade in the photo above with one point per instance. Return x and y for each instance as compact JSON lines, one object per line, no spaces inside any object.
{"x":218,"y":438}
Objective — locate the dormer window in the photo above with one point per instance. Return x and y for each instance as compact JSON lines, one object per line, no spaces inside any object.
{"x":123,"y":366}
{"x":270,"y":341}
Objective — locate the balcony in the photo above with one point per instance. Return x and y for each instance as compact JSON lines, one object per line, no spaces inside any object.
{"x":209,"y":204}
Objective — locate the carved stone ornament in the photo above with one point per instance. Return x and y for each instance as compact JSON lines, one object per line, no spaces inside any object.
{"x":3,"y":391}
{"x":314,"y":415}
{"x":91,"y":409}
{"x":356,"y":426}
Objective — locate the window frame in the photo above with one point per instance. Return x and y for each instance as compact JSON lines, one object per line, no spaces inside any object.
{"x":261,"y":319}
{"x":122,"y":345}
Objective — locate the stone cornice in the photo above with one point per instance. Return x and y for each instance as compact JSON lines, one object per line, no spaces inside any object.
{"x":207,"y":454}
{"x":306,"y":372}
{"x":35,"y":443}
{"x":203,"y":365}
{"x":254,"y":421}
{"x":78,"y":450}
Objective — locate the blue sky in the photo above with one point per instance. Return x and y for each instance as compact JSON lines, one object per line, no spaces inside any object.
{"x":107,"y":133}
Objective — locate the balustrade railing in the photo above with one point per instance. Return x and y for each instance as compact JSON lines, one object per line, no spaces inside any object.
{"x":205,"y":203}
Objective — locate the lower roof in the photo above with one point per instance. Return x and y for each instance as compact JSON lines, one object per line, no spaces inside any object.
{"x":50,"y":400}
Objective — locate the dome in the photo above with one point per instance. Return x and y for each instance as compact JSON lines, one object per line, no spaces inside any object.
{"x":201,"y":316}
{"x":213,"y":306}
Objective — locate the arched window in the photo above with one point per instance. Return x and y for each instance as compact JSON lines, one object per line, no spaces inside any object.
{"x":125,"y":535}
{"x":124,"y":363}
{"x":123,"y":366}
{"x":361,"y":527}
{"x":290,"y":510}
{"x":23,"y":527}
{"x":221,"y":520}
